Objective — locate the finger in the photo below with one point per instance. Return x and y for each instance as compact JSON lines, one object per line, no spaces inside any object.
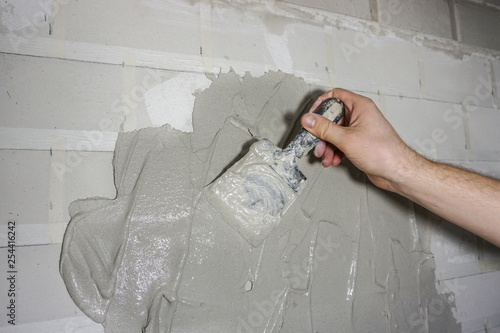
{"x":320,"y":100}
{"x":324,"y":129}
{"x":349,"y":98}
{"x":337,"y":158}
{"x":319,"y":149}
{"x":327,"y":156}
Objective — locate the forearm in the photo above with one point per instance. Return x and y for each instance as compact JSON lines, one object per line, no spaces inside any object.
{"x":368,"y":140}
{"x":470,"y":200}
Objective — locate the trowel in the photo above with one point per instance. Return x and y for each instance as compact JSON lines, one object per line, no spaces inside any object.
{"x":254,"y":193}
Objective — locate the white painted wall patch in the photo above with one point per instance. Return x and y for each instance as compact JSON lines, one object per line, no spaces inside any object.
{"x":172,"y":101}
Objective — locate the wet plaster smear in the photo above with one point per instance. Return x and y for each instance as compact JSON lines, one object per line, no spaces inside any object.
{"x":345,"y":257}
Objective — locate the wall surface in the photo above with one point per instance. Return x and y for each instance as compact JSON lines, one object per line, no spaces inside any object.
{"x":75,"y":74}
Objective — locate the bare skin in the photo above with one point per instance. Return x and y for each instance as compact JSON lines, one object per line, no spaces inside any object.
{"x":366,"y":138}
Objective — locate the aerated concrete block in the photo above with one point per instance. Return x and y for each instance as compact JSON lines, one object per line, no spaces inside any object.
{"x":495,"y":75}
{"x":356,"y":8}
{"x":370,"y":63}
{"x":40,"y":292}
{"x":444,"y":77}
{"x":252,"y":41}
{"x":430,"y":17}
{"x":44,"y":93}
{"x":33,"y":179}
{"x":478,"y":25}
{"x":433,"y":129}
{"x":484,"y":134}
{"x":477,"y":297}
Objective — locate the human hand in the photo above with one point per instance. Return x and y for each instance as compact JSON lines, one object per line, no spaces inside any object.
{"x":364,"y":136}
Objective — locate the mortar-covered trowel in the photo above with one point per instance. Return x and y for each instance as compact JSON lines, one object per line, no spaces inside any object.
{"x":253,"y":194}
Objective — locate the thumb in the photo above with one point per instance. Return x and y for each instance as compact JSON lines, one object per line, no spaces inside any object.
{"x":322,"y":128}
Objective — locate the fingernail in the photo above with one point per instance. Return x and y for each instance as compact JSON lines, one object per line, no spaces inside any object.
{"x":315,"y":152}
{"x":309,"y":120}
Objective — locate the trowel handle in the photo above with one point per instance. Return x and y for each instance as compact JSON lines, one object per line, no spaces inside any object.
{"x":332,"y":109}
